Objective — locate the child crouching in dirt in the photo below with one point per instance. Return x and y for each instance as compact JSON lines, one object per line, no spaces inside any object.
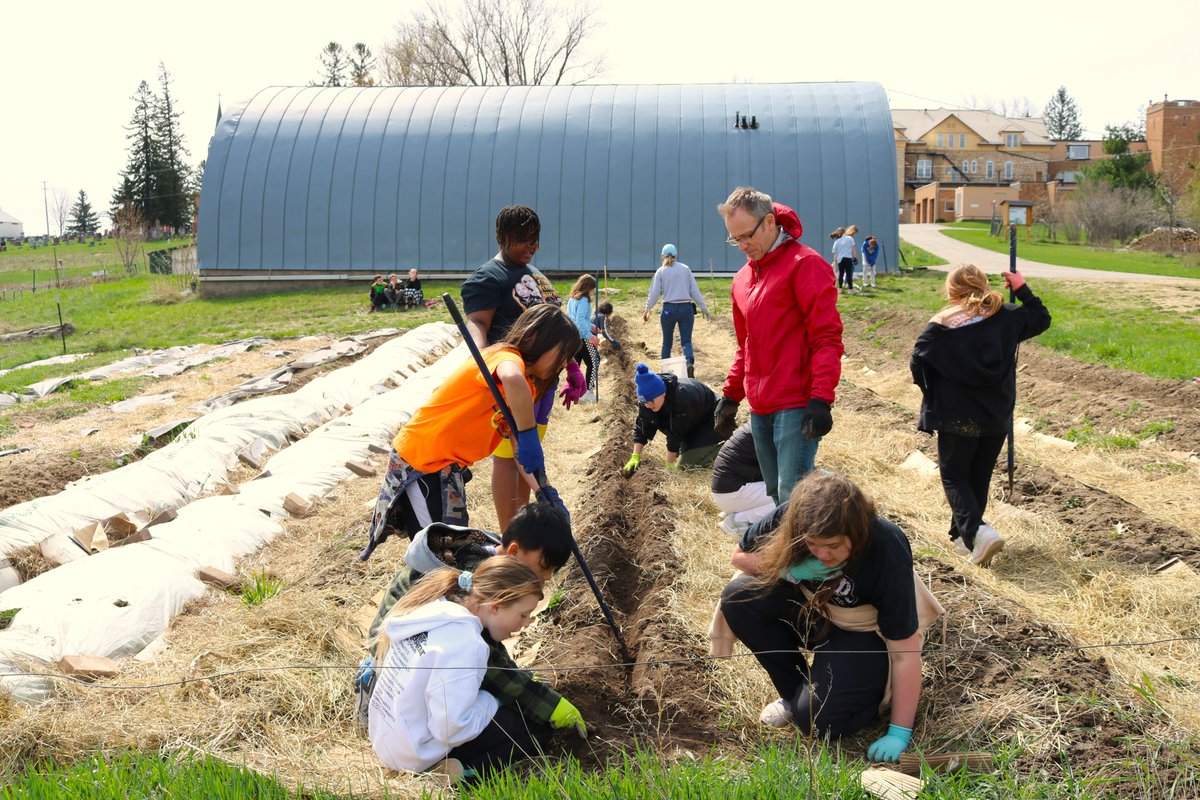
{"x":460,"y":425}
{"x":824,"y":573}
{"x":539,"y":537}
{"x":428,"y":709}
{"x":682,"y":408}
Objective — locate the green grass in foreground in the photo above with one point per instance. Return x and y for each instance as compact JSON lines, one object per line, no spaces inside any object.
{"x":1081,"y":255}
{"x":1091,"y":322}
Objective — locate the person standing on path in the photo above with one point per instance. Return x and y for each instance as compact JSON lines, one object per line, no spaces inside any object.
{"x":965,"y":363}
{"x":789,"y":339}
{"x":493,"y":298}
{"x":674,"y":282}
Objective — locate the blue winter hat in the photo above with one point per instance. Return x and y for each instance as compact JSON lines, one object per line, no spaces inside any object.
{"x":649,"y":385}
{"x":669,"y":250}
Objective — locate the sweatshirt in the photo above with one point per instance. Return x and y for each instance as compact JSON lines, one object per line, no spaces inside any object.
{"x":427,"y":699}
{"x":686,"y":416}
{"x":676,"y":285}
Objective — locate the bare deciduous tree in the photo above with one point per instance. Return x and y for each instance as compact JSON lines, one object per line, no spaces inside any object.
{"x":129,"y":232}
{"x":60,"y":209}
{"x":492,"y":42}
{"x":1110,"y":213}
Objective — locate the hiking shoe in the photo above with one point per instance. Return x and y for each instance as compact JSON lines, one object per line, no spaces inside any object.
{"x":776,"y":715}
{"x":987,"y":544}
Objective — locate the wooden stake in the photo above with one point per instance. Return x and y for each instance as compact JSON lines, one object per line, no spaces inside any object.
{"x":890,"y":785}
{"x":910,"y":763}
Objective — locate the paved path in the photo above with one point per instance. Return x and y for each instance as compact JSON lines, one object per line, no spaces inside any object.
{"x":929,"y":237}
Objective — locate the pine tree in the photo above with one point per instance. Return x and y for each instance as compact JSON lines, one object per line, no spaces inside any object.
{"x":362,"y":61}
{"x":83,"y":220}
{"x":1062,"y":116}
{"x":173,"y":174}
{"x":139,"y":178}
{"x":333,"y":65}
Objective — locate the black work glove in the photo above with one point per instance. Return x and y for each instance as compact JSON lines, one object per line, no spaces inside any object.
{"x":724,"y":417}
{"x":548,"y":494}
{"x":817,"y":420}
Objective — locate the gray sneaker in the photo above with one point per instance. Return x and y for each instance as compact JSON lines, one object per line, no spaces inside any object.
{"x":987,"y":544}
{"x":961,"y":548}
{"x":776,"y":715}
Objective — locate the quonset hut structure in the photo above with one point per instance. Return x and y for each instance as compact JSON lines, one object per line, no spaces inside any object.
{"x":314,"y":184}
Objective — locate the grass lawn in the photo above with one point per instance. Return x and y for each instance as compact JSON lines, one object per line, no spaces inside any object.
{"x":19,"y":266}
{"x":1078,"y":255}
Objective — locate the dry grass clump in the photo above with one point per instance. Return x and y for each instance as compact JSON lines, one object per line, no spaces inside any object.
{"x":29,"y":562}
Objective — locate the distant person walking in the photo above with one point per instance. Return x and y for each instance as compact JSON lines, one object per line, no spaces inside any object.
{"x":845,"y":256}
{"x":965,"y":363}
{"x":674,"y":282}
{"x":870,"y":253}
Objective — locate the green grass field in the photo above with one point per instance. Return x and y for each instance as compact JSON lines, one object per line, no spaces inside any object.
{"x":1078,"y":255}
{"x":20,"y":267}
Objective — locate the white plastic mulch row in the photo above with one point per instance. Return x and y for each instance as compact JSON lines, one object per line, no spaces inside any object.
{"x":200,"y":458}
{"x":117,"y":602}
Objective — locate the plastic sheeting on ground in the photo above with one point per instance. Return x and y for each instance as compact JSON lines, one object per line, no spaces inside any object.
{"x":117,"y":602}
{"x":139,"y":361}
{"x":46,"y":362}
{"x":198,"y":460}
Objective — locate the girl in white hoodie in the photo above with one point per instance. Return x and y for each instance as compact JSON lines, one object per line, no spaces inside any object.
{"x":427,"y":709}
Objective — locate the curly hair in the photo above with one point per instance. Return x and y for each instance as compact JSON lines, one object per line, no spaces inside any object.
{"x":967,"y":288}
{"x":517,"y":224}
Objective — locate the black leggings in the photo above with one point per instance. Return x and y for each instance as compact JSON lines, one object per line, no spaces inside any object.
{"x":966,"y":464}
{"x":508,"y":738}
{"x":846,"y":270}
{"x":842,"y":691}
{"x":589,"y":355}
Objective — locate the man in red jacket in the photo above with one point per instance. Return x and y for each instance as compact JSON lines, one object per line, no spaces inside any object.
{"x":789,"y":337}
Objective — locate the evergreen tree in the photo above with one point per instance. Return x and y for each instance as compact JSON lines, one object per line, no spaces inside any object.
{"x":83,"y":220}
{"x":362,"y":60}
{"x":333,"y":65}
{"x":1062,"y":116}
{"x":173,"y":174}
{"x":138,"y":179}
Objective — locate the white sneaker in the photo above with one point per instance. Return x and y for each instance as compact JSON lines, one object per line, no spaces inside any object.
{"x":776,"y":715}
{"x":588,"y":397}
{"x":987,"y":544}
{"x":731,"y":526}
{"x":961,"y":548}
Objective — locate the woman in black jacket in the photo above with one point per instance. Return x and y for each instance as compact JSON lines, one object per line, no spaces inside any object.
{"x":682,"y":408}
{"x":965,"y":362}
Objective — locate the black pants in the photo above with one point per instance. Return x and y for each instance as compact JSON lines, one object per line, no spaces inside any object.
{"x":846,"y":270}
{"x":966,"y":464}
{"x":508,"y":738}
{"x":589,"y":356}
{"x":842,"y":691}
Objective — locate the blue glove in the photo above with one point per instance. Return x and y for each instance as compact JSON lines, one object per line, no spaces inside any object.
{"x":892,"y":745}
{"x":548,"y":494}
{"x":809,"y":570}
{"x":529,"y":451}
{"x":364,"y":678}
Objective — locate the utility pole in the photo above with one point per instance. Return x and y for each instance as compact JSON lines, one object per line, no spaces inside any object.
{"x":46,"y":206}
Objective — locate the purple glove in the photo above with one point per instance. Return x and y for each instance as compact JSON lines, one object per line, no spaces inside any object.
{"x":576,"y":385}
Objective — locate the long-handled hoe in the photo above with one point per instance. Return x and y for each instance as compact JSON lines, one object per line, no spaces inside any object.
{"x":540,"y":480}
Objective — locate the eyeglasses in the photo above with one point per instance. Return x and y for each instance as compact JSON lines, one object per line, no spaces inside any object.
{"x":734,"y":241}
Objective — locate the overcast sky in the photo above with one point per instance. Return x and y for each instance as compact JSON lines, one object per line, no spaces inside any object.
{"x":70,"y":67}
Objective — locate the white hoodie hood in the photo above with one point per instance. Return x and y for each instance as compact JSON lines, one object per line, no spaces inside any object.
{"x":427,"y":698}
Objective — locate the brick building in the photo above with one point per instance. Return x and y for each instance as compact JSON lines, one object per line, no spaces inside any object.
{"x":1173,"y":137}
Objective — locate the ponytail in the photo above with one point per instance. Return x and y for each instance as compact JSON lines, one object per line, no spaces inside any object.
{"x":668,"y":261}
{"x":967,"y":288}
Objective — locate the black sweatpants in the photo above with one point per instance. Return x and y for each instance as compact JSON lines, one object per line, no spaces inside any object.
{"x":845,"y":269}
{"x":589,"y":356}
{"x":966,"y":464}
{"x":842,"y":691}
{"x":508,"y":738}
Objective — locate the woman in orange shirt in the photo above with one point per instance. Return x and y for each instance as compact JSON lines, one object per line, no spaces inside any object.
{"x":460,"y":424}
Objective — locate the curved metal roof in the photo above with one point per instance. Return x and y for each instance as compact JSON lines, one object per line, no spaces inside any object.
{"x":386,"y":178}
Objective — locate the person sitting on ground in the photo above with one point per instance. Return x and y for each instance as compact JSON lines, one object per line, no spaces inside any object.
{"x":394,"y":291}
{"x":539,"y":537}
{"x":414,"y":296}
{"x":604,"y":313}
{"x":428,"y":709}
{"x":378,"y":294}
{"x":738,"y":487}
{"x":965,"y":363}
{"x":457,"y":426}
{"x":825,"y":573}
{"x":682,"y":408}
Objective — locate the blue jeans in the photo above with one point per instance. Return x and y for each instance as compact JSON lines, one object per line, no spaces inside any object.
{"x":681,"y":314}
{"x":784,"y":455}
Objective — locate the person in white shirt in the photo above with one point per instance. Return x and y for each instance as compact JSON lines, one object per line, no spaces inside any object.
{"x":427,"y":710}
{"x":845,"y":255}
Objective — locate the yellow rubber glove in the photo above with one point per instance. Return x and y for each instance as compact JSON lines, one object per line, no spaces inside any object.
{"x":631,"y":466}
{"x":566,"y":715}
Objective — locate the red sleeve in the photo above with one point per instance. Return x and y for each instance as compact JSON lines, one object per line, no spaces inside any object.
{"x":735,"y":385}
{"x":816,"y":296}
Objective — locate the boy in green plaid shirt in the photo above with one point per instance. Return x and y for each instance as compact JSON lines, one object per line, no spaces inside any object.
{"x":539,"y":536}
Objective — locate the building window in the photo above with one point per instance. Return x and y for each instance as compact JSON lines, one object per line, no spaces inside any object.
{"x":950,"y":141}
{"x":924,"y":168}
{"x":948,"y":207}
{"x":957,"y":204}
{"x":966,"y":167}
{"x":1008,"y":170}
{"x":947,"y":172}
{"x":991,"y":170}
{"x":974,"y":166}
{"x":939,"y":140}
{"x":962,"y":140}
{"x":1012,"y":140}
{"x":1078,"y":152}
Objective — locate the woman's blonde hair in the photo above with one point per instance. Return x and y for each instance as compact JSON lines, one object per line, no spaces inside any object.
{"x":822,"y":506}
{"x":967,"y":288}
{"x":837,"y":233}
{"x":668,"y":260}
{"x":853,"y":229}
{"x":584,"y":286}
{"x":499,"y":579}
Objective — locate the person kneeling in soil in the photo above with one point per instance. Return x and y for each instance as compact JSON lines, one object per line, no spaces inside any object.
{"x":965,"y":363}
{"x":682,"y":408}
{"x":824,"y":573}
{"x":738,"y":487}
{"x":425,"y":480}
{"x":428,"y":709}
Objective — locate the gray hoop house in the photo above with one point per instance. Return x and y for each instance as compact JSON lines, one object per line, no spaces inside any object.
{"x":329,"y":183}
